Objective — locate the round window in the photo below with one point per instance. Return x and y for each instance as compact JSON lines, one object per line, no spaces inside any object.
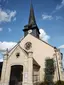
{"x":28,"y":45}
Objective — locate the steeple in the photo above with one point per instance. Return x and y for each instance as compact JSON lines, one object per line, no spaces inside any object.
{"x":32,"y":20}
{"x":32,"y":27}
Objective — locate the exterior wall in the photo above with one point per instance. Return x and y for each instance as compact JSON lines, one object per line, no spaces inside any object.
{"x":4,"y":70}
{"x":25,"y":60}
{"x":36,"y":76}
{"x":60,"y":65}
{"x":13,"y":60}
{"x":41,"y":51}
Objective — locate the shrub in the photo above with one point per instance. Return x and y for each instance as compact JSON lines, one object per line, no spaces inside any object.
{"x":59,"y":83}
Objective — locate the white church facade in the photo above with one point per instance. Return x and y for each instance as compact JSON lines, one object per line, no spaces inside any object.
{"x":24,"y":64}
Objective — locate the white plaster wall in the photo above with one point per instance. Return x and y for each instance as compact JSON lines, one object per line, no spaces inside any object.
{"x":13,"y":60}
{"x":40,"y":50}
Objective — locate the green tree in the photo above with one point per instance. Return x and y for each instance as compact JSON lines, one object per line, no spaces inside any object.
{"x":49,"y":71}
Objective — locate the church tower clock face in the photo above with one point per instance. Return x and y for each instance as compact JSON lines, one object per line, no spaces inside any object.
{"x":28,"y":45}
{"x":29,"y":31}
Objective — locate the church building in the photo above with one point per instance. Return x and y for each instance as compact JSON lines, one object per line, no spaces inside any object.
{"x":24,"y":64}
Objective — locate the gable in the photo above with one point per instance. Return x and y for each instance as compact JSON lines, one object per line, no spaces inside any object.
{"x":14,"y":59}
{"x":41,"y":50}
{"x":35,"y":41}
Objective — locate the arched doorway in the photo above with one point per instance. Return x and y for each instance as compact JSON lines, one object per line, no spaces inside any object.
{"x":16,"y":75}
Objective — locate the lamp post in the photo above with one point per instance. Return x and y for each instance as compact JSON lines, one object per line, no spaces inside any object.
{"x":55,"y":49}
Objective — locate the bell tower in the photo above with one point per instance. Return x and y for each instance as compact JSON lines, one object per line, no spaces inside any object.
{"x":32,"y":27}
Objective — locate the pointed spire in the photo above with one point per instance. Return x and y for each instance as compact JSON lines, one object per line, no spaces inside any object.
{"x":32,"y":20}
